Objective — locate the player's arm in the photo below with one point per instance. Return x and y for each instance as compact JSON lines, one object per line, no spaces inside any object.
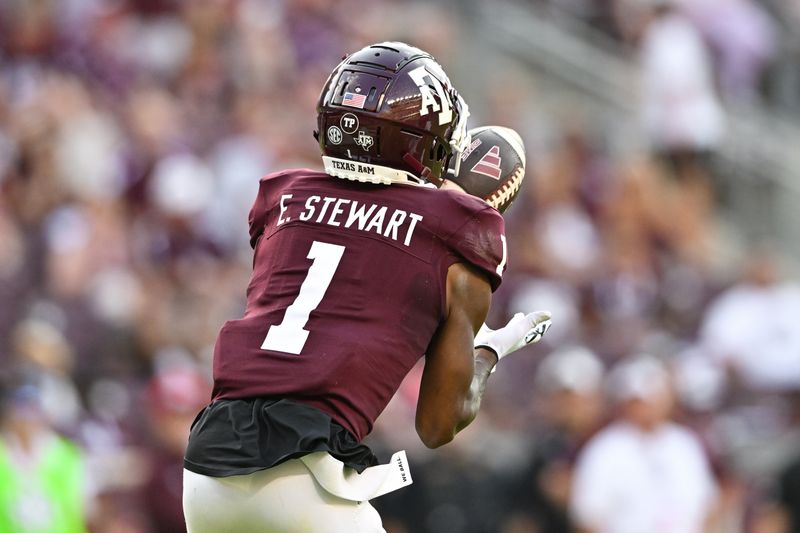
{"x":455,"y":374}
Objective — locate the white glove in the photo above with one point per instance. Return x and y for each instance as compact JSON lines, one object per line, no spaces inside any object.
{"x":520,"y":331}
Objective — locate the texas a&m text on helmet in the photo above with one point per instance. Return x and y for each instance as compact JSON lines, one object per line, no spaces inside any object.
{"x":387,"y":114}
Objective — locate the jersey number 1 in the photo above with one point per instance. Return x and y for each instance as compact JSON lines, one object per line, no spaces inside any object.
{"x":290,"y":335}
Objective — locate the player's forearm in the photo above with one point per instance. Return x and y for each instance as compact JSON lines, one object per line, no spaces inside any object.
{"x":484,"y":362}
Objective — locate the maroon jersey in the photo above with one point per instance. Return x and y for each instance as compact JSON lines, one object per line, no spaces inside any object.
{"x":348,"y":288}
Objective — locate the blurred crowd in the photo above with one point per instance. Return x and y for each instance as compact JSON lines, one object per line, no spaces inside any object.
{"x":752,"y":44}
{"x":132,"y":137}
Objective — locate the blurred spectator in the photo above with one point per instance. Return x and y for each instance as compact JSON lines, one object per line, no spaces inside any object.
{"x":743,"y":38}
{"x":751,"y":328}
{"x":780,"y":510}
{"x":789,"y":513}
{"x":682,"y":113}
{"x":41,"y":348}
{"x":568,"y":390}
{"x":790,"y":496}
{"x":567,"y":243}
{"x":643,"y":472}
{"x":625,"y":288}
{"x":173,"y":397}
{"x":42,"y":478}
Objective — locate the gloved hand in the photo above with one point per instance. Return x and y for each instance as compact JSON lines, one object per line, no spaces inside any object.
{"x":520,"y":331}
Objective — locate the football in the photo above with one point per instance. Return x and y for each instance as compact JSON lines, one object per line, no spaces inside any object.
{"x":493,"y":166}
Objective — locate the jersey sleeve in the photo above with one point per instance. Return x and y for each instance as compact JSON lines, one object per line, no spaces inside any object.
{"x":257,"y":219}
{"x":481,"y":242}
{"x":268,"y":189}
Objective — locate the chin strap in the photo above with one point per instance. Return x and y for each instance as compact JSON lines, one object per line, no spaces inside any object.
{"x":461,"y":138}
{"x":423,"y":171}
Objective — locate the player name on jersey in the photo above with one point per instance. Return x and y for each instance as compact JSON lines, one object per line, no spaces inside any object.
{"x":395,"y":224}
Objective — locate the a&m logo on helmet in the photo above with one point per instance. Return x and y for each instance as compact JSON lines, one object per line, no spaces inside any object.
{"x":424,"y":80}
{"x":364,"y":140}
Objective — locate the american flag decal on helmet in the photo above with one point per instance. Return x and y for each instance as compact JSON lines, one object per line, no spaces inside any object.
{"x":489,"y":165}
{"x":354,"y":100}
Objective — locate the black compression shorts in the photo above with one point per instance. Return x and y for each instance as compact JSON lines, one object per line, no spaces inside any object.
{"x":237,"y":437}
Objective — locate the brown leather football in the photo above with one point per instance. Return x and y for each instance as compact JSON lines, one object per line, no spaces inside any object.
{"x":493,"y":166}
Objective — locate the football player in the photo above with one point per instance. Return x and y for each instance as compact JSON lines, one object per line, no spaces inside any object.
{"x":354,"y":279}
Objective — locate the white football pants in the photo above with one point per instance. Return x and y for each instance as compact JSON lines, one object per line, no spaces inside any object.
{"x":282,"y":499}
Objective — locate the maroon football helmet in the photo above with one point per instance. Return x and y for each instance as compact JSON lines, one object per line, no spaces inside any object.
{"x":388,"y":113}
